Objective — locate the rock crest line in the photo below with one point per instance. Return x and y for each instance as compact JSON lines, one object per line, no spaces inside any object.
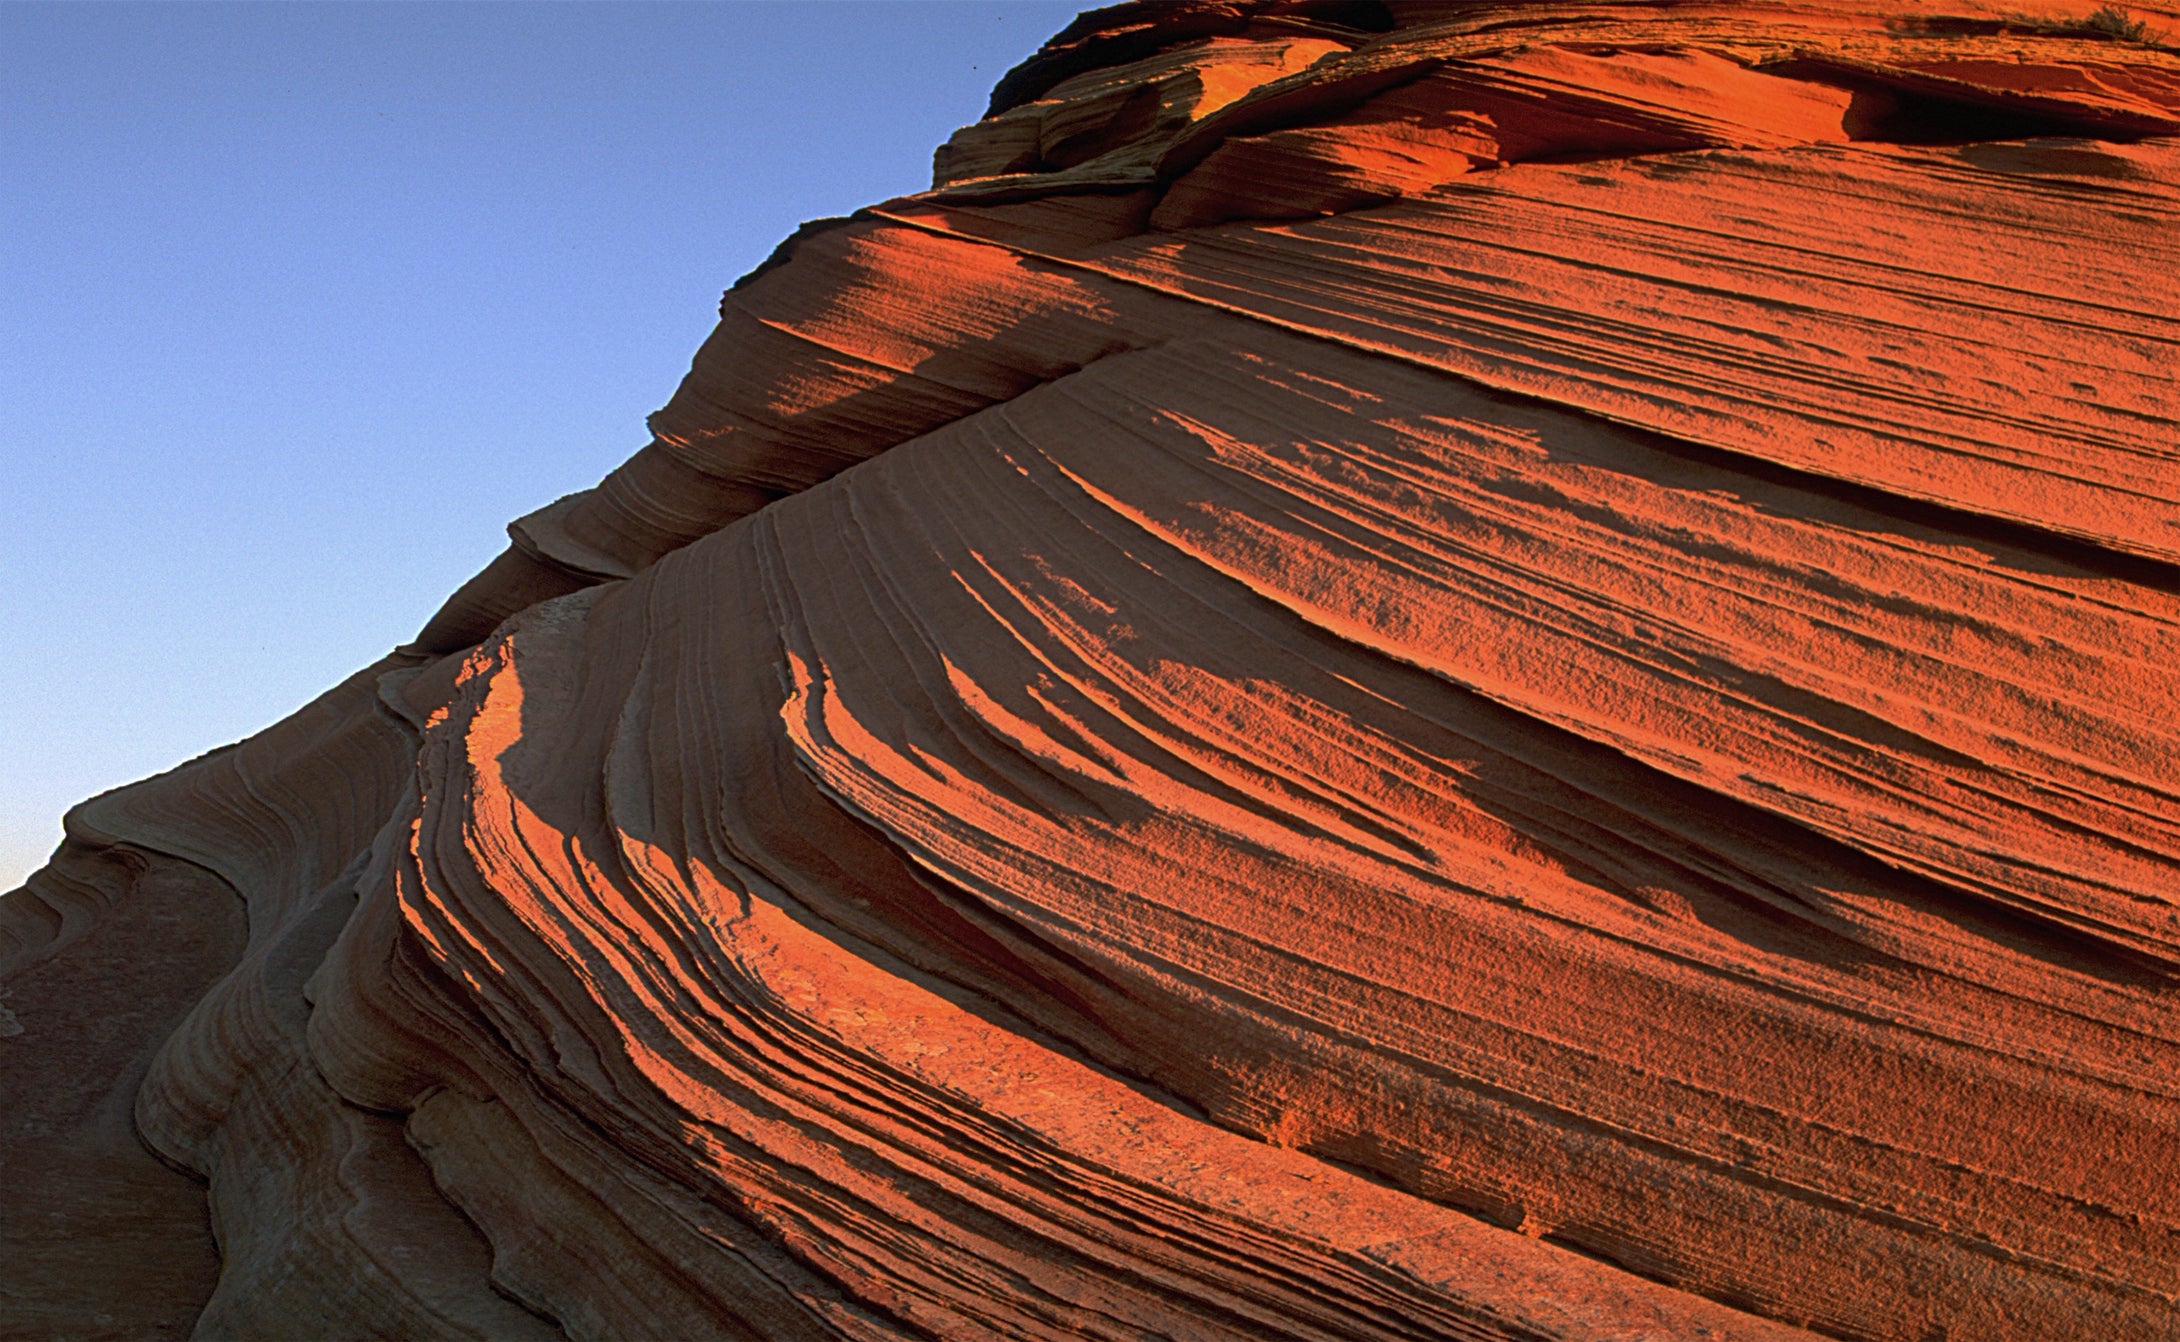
{"x":1435,"y":670}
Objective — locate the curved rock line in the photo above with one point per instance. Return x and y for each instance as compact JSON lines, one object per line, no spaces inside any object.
{"x":1393,"y":671}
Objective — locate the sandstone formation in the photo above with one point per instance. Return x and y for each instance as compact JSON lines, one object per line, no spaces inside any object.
{"x":1444,"y":670}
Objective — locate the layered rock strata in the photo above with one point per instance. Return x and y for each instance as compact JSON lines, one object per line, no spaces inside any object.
{"x":1437,"y":670}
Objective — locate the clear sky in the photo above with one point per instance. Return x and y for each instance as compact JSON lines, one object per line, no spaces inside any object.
{"x":301,"y":303}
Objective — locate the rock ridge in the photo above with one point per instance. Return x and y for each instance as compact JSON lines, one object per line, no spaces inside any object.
{"x":1422,"y":670}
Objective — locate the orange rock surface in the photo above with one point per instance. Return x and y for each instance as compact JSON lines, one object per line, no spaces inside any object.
{"x":1441,"y":670}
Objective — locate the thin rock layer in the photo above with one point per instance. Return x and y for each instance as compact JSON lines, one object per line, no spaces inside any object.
{"x":1438,"y":670}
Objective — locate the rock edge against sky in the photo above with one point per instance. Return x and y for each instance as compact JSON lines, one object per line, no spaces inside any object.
{"x":1445,"y":670}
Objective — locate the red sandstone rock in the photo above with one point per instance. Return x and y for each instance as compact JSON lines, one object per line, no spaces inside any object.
{"x":1443,"y":670}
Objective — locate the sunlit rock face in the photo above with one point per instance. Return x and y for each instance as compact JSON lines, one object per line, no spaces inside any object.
{"x":1454,"y":670}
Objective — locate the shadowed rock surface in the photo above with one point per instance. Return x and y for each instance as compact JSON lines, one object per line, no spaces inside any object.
{"x":1421,"y":670}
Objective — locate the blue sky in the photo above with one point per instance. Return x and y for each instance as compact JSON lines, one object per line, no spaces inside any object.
{"x":299,"y":304}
